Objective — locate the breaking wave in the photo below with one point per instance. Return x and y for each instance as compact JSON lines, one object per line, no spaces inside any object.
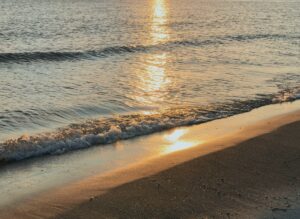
{"x":109,"y":130}
{"x":118,"y":50}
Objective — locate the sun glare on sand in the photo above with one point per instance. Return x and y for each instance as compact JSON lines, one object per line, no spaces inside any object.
{"x":177,"y":143}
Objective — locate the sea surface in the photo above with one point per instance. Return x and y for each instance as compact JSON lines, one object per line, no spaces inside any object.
{"x":78,"y":73}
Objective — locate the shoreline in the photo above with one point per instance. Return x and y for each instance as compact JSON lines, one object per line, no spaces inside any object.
{"x":102,"y":188}
{"x":257,"y":178}
{"x":109,"y":130}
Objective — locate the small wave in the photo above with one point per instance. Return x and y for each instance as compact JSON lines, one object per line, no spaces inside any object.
{"x":63,"y":56}
{"x":109,"y":130}
{"x":118,"y":50}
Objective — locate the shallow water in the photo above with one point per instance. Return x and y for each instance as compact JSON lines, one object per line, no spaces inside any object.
{"x":136,"y":67}
{"x":23,"y":179}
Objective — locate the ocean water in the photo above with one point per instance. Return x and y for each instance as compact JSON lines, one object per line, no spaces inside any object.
{"x":78,"y":73}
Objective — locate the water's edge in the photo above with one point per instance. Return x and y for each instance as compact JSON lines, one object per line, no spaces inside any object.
{"x":109,"y":130}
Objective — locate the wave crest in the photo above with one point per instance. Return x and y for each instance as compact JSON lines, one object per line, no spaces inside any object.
{"x":118,"y":50}
{"x":109,"y":130}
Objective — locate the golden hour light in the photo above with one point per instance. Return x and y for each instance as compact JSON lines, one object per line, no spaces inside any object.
{"x":175,"y":135}
{"x":179,"y":146}
{"x":159,"y":31}
{"x":155,"y":69}
{"x":153,"y":78}
{"x":160,"y":11}
{"x":149,"y":109}
{"x":176,"y":141}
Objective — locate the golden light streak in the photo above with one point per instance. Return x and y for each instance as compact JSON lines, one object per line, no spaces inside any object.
{"x":158,"y":29}
{"x":177,"y":143}
{"x":174,"y":136}
{"x":153,"y":79}
{"x":156,"y":73}
{"x":179,"y":146}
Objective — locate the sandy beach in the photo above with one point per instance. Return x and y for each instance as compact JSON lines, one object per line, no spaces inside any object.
{"x":258,"y":178}
{"x":249,"y":174}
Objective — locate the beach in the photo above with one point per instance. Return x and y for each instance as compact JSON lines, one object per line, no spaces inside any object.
{"x":149,"y":109}
{"x":258,"y":178}
{"x":252,"y":173}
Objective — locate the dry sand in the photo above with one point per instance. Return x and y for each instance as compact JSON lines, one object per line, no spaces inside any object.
{"x":244,"y":176}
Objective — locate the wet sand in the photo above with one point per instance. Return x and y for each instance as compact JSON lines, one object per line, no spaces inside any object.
{"x":258,"y":178}
{"x":251,"y":174}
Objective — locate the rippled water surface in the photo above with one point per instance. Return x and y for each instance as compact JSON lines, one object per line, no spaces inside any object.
{"x":106,"y":70}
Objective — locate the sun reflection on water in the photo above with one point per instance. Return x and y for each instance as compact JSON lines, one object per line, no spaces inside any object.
{"x":160,"y":9}
{"x":156,"y":73}
{"x":153,"y":78}
{"x":159,"y":31}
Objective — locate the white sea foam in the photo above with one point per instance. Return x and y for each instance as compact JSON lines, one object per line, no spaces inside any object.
{"x":95,"y":132}
{"x":109,"y":130}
